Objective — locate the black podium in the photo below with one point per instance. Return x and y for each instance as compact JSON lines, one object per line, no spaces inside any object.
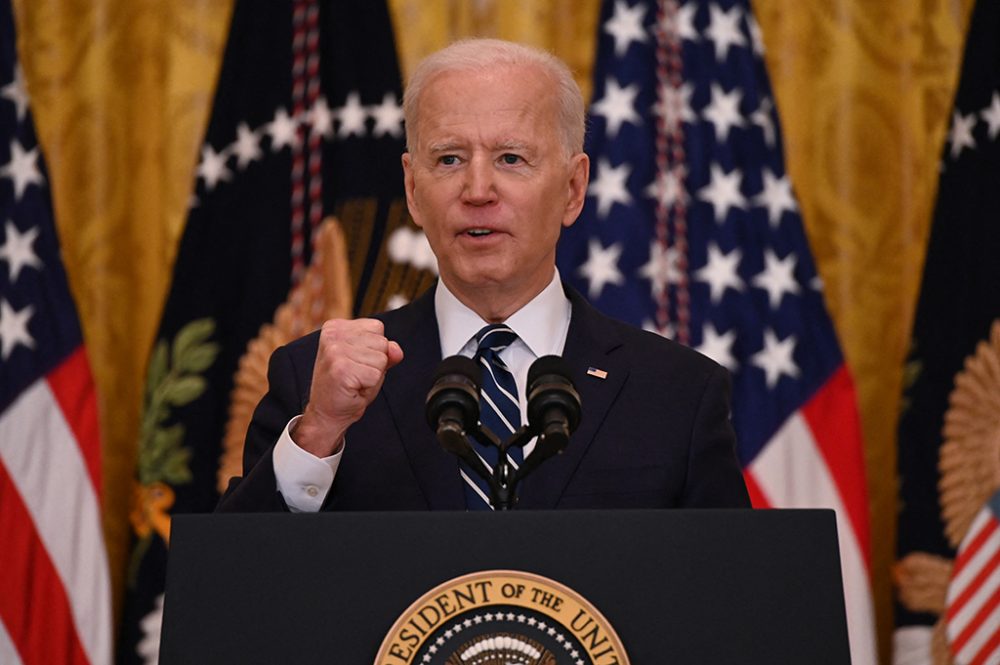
{"x":675,"y":586}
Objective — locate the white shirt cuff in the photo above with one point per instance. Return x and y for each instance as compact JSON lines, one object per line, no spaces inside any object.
{"x":303,"y":479}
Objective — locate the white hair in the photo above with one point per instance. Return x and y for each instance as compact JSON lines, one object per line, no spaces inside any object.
{"x":484,"y":54}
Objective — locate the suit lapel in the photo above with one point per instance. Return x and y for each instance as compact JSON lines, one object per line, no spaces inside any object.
{"x":590,"y":343}
{"x":415,"y":328}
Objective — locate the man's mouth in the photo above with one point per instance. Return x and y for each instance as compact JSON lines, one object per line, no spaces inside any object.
{"x":479,"y":233}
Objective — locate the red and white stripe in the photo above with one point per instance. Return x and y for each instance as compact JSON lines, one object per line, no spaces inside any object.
{"x":973,"y":601}
{"x":815,"y":461}
{"x":55,"y":595}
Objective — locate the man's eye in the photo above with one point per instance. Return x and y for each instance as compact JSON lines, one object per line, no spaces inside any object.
{"x":509,"y":158}
{"x":448,"y":160}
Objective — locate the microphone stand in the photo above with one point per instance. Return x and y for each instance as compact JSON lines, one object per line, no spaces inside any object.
{"x":505,"y":478}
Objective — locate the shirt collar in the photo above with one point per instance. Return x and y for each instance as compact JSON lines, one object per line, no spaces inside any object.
{"x":540,"y":324}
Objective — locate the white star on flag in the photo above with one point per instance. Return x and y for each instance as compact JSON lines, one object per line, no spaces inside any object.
{"x":212,"y":168}
{"x":22,"y":169}
{"x":409,"y":246}
{"x":17,"y":93}
{"x":626,"y":26}
{"x":960,"y":135}
{"x":247,"y":146}
{"x":776,"y":197}
{"x":723,"y":192}
{"x":674,"y":105}
{"x":321,"y":118}
{"x":617,"y":106}
{"x":991,"y":114}
{"x":661,"y":269}
{"x":283,"y":130}
{"x":684,"y":23}
{"x":762,"y":118}
{"x":14,"y":328}
{"x":724,"y":111}
{"x":756,"y":36}
{"x":17,"y":250}
{"x":724,"y":30}
{"x":352,"y":116}
{"x":668,"y":187}
{"x":667,"y":331}
{"x":601,"y":267}
{"x":777,"y":278}
{"x":718,"y":347}
{"x":776,"y":358}
{"x":388,"y":116}
{"x":151,"y":625}
{"x":609,"y":186}
{"x":720,"y":272}
{"x":396,"y":301}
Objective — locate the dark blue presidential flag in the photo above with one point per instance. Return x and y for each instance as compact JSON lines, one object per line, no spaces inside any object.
{"x":692,"y":230}
{"x":306,"y":124}
{"x":55,"y":593}
{"x":948,"y":424}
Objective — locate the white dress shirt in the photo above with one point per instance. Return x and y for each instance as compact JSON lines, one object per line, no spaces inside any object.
{"x":541,"y":326}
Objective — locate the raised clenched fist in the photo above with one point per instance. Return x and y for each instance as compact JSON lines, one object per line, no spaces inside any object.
{"x":351,"y":363}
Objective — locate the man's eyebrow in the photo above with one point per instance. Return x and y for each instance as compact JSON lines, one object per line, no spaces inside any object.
{"x":452,"y":146}
{"x":511,"y":144}
{"x":444,"y":146}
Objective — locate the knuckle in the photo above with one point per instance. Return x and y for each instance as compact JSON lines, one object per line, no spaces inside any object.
{"x":372,"y":376}
{"x":332,"y":325}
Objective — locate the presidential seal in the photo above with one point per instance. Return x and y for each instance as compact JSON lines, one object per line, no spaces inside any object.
{"x":501,"y":617}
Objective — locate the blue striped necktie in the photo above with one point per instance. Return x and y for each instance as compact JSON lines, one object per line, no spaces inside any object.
{"x":499,"y":411}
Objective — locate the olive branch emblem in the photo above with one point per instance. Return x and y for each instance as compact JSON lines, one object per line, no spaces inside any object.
{"x":174,"y":379}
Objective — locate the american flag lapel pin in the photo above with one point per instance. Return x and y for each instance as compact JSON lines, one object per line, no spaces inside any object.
{"x":599,"y":373}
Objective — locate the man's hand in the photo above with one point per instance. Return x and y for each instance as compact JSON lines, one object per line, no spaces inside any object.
{"x":351,"y":363}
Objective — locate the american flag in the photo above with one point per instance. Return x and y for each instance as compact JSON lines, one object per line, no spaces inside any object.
{"x":973,"y":604}
{"x":692,"y":230}
{"x":55,"y":598}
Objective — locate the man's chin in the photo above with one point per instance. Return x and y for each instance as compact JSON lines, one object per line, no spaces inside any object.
{"x":484,"y":281}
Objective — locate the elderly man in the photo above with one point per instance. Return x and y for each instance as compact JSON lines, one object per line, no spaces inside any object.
{"x":494,"y":170}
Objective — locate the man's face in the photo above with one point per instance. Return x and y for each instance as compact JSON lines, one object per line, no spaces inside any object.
{"x":490,"y":183}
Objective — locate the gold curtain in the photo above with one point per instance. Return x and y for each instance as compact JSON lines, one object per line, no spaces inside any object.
{"x":122,"y":88}
{"x":565,"y":27}
{"x":864,"y":92}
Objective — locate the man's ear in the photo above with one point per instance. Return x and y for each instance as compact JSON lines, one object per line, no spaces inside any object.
{"x":409,"y":187}
{"x":579,"y":177}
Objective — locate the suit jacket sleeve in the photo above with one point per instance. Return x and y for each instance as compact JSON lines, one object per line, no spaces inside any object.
{"x":714,"y":478}
{"x":287,"y":394}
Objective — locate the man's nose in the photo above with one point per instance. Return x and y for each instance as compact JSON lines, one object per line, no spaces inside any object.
{"x":479,"y":186}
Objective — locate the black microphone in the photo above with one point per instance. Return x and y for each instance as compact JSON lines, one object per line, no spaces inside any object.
{"x":452,"y":406}
{"x":553,"y":404}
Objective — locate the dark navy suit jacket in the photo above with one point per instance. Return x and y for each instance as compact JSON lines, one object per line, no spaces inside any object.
{"x":655,"y":433}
